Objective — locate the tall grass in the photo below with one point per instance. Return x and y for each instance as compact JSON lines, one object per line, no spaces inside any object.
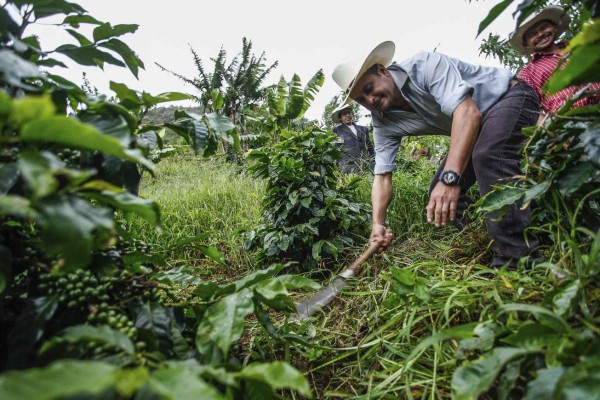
{"x":369,"y":343}
{"x":198,"y":196}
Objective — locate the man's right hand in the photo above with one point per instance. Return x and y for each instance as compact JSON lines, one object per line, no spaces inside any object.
{"x":381,"y":234}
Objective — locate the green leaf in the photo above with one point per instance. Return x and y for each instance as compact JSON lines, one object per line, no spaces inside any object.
{"x":274,"y":294}
{"x":217,"y":99}
{"x":128,"y":97}
{"x":86,"y":333}
{"x":294,"y":282}
{"x":60,"y":379}
{"x":224,"y":320}
{"x":575,"y":176}
{"x":47,"y":8}
{"x":134,"y":63}
{"x":508,"y":379}
{"x":590,"y":141}
{"x":458,"y":332}
{"x":295,"y":100}
{"x":582,"y":381}
{"x":565,"y":298}
{"x":9,"y":174}
{"x":83,"y":41}
{"x":582,"y":67}
{"x":145,"y":208}
{"x":545,"y":316}
{"x":312,"y":88}
{"x":500,"y":198}
{"x":88,"y":55}
{"x":128,"y":381}
{"x":279,"y":375}
{"x":473,"y":379}
{"x":180,"y":384}
{"x":531,"y":336}
{"x":80,"y":19}
{"x":14,"y":70}
{"x":536,"y":191}
{"x":7,"y":24}
{"x":149,"y":100}
{"x":28,"y":329}
{"x":543,"y":386}
{"x":493,"y":14}
{"x":68,"y":223}
{"x":192,"y":129}
{"x":106,"y":31}
{"x":258,"y":276}
{"x":17,"y":206}
{"x":211,"y":252}
{"x":157,"y":321}
{"x":70,"y":132}
{"x":220,"y":124}
{"x":31,"y":108}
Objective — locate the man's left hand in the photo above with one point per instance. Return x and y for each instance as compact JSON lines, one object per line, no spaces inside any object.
{"x":442,"y":204}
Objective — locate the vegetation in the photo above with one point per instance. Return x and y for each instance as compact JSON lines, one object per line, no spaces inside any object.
{"x":123,"y":271}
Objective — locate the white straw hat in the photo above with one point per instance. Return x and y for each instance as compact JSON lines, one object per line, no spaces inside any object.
{"x":334,"y":114}
{"x":348,"y":73}
{"x":554,"y":14}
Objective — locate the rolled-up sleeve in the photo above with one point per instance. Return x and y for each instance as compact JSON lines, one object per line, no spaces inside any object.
{"x":386,"y":148}
{"x":443,"y":81}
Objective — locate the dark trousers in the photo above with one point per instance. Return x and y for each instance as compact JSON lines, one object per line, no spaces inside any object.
{"x":496,"y":160}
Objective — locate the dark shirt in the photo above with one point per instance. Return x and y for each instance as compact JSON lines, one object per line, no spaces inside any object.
{"x":358,"y":153}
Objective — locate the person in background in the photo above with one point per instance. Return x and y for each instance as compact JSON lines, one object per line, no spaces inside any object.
{"x":482,"y":109}
{"x":357,"y":147}
{"x":538,"y":36}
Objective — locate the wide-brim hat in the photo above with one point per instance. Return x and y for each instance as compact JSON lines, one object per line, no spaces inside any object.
{"x":348,"y":73}
{"x":554,"y":14}
{"x":335,"y":113}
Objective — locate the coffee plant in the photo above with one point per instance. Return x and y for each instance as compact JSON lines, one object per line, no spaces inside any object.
{"x":86,"y":309}
{"x":309,"y":213}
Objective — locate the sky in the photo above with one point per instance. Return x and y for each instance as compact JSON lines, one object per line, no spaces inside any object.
{"x":303,"y":36}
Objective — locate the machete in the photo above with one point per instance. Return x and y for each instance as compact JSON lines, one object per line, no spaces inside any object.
{"x":308,"y":307}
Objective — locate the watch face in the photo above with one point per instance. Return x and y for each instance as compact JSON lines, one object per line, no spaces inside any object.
{"x":449,"y":178}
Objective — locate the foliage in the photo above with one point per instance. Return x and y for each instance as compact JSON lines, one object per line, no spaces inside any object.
{"x":288,"y":101}
{"x":308,"y":213}
{"x":239,"y":83}
{"x":82,"y":299}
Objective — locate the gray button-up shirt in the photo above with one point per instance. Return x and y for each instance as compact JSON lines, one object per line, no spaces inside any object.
{"x":434,"y":85}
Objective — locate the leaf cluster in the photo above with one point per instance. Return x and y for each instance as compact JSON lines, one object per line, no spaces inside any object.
{"x":308,"y":212}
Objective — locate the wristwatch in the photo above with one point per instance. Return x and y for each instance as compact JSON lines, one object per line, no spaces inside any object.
{"x":450,"y":178}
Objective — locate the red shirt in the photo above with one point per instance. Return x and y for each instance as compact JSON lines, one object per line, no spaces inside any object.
{"x":537,"y":72}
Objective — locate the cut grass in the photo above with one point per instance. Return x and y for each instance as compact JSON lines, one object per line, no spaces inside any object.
{"x":372,"y":341}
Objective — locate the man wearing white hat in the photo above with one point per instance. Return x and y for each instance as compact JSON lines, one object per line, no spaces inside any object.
{"x":538,"y":36}
{"x":482,"y":109}
{"x":357,"y":147}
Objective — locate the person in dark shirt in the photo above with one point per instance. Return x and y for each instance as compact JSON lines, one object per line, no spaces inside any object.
{"x":357,"y":146}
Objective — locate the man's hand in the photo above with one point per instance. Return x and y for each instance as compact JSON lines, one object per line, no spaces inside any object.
{"x":442,"y":204}
{"x":381,"y":234}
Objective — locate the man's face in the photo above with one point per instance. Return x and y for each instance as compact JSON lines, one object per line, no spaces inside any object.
{"x":346,"y":116}
{"x":540,"y":36}
{"x":375,"y":91}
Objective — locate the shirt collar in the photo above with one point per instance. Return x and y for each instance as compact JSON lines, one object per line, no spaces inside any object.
{"x":539,"y":54}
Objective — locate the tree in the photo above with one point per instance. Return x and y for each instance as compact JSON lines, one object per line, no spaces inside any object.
{"x":240,"y":82}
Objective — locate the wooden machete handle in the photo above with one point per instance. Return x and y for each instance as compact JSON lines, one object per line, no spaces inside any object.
{"x":355,"y":266}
